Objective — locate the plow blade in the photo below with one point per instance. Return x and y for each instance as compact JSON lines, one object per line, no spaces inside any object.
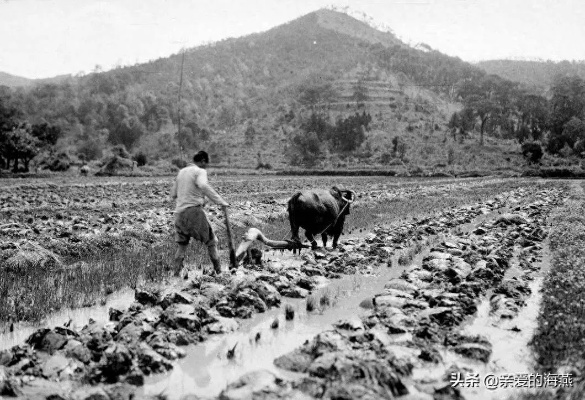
{"x":254,"y":234}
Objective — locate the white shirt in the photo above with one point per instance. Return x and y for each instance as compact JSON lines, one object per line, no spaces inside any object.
{"x":191,"y":188}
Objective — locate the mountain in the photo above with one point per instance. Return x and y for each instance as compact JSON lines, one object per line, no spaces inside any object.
{"x":244,"y":98}
{"x":13,"y":80}
{"x":536,"y":74}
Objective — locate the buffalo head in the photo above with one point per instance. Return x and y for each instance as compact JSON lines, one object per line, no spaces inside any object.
{"x":344,"y":197}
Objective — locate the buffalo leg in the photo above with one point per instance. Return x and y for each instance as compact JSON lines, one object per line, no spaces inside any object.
{"x":295,"y":232}
{"x":335,"y":239}
{"x":295,"y":236}
{"x":324,"y":238}
{"x":314,"y":244}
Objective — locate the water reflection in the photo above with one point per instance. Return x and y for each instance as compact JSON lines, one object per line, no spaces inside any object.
{"x":78,"y":317}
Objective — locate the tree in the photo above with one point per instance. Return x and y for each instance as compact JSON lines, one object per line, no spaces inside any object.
{"x":399,"y":147}
{"x":305,"y":149}
{"x":46,"y":134}
{"x":490,"y":99}
{"x":573,"y":130}
{"x":462,"y":122}
{"x":186,"y":138}
{"x":91,"y":142}
{"x":249,"y":134}
{"x":127,"y":132}
{"x":533,"y":116}
{"x":317,"y":123}
{"x":10,"y":115}
{"x":482,"y":108}
{"x":349,"y":133}
{"x":120,"y":151}
{"x":199,"y":134}
{"x":579,"y":147}
{"x":532,"y":151}
{"x":395,"y":141}
{"x":568,"y":101}
{"x":19,"y":144}
{"x":567,"y":111}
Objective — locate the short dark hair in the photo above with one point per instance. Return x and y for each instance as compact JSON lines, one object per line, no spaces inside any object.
{"x":201,"y":156}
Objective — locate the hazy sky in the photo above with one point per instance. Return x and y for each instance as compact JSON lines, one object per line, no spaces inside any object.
{"x":42,"y":38}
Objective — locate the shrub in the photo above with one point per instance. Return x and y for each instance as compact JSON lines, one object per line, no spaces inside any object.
{"x":566,"y":151}
{"x":91,"y":149}
{"x":395,"y":141}
{"x":401,"y":150}
{"x":120,"y":151}
{"x":263,"y":166}
{"x":140,"y":159}
{"x":179,"y":163}
{"x":57,"y":162}
{"x":385,"y":158}
{"x":450,"y":156}
{"x":532,"y":151}
{"x":579,"y":147}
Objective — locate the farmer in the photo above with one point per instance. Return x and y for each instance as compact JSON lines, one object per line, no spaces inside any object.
{"x":190,"y":190}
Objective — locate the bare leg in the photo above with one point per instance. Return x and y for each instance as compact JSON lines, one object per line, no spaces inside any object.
{"x":214,"y":256}
{"x":180,"y":257}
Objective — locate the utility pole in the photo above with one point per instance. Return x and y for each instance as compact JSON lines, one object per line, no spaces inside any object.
{"x":179,"y":107}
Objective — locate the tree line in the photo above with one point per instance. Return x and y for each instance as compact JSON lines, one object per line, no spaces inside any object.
{"x":21,"y":141}
{"x":244,"y":82}
{"x":318,"y":135}
{"x":502,"y":109}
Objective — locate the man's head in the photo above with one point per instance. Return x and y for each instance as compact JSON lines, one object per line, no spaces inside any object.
{"x":201,"y":159}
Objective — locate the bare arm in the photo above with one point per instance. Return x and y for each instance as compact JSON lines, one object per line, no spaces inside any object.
{"x":203,"y":184}
{"x":174,"y":191}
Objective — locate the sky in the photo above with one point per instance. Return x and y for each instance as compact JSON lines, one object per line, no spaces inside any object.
{"x":44,"y":38}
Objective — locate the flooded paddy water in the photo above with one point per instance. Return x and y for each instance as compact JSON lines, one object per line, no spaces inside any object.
{"x":430,"y":255}
{"x":206,"y":370}
{"x":75,"y":318}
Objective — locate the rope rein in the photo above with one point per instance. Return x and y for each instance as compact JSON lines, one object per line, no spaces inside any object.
{"x":347,"y":202}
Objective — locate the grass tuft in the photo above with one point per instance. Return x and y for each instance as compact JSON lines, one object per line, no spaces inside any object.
{"x":289,"y":312}
{"x":325,"y":300}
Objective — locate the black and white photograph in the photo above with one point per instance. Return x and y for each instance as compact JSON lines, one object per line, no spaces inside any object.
{"x":292,"y":199}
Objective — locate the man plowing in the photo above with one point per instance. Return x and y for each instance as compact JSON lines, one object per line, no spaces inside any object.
{"x":190,"y":190}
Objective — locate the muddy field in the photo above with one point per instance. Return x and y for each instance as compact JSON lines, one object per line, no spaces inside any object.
{"x":436,"y":292}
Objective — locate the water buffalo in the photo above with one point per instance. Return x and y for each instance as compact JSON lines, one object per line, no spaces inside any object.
{"x":319,"y":211}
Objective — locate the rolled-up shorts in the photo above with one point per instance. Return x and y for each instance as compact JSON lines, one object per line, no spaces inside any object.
{"x":193,"y":223}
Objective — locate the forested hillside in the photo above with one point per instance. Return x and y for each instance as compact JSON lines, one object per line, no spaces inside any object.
{"x":13,"y":80}
{"x":323,"y":90}
{"x":538,"y":74}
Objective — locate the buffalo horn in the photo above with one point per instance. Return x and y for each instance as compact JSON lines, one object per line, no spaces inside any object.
{"x":352,"y":196}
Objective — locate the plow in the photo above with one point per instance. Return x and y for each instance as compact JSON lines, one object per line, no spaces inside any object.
{"x":255,"y":235}
{"x":320,"y":212}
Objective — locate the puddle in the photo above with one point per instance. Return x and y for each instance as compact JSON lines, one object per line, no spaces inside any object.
{"x":510,"y":351}
{"x":78,"y":316}
{"x":511,"y":355}
{"x":206,"y":370}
